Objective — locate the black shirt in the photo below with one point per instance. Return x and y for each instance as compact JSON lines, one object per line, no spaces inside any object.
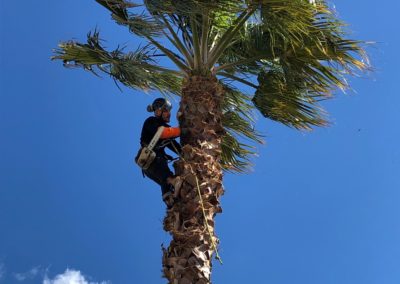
{"x":150,"y":127}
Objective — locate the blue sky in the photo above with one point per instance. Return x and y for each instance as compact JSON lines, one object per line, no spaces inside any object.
{"x":319,"y":207}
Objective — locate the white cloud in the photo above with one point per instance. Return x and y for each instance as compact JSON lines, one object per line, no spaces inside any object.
{"x":70,"y":277}
{"x":28,"y":275}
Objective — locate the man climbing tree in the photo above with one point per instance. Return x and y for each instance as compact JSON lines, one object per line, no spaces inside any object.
{"x":290,"y":55}
{"x":158,"y":170}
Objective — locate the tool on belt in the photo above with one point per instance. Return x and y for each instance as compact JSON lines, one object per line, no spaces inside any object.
{"x":146,"y":154}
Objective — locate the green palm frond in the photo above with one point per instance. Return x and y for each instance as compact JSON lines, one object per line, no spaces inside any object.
{"x":118,"y":7}
{"x":139,"y":24}
{"x":300,"y":55}
{"x":143,"y":25}
{"x":288,"y":101}
{"x":236,"y":155}
{"x":238,"y":123}
{"x":192,"y":7}
{"x":286,"y":22}
{"x":238,"y":113}
{"x":293,"y":27}
{"x":134,"y":69}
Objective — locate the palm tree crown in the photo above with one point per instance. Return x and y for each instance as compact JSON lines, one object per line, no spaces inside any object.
{"x":293,"y":54}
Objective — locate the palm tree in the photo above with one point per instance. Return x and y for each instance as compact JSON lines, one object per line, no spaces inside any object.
{"x":291,"y":53}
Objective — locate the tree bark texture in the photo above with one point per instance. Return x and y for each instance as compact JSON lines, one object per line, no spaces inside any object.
{"x":188,"y":258}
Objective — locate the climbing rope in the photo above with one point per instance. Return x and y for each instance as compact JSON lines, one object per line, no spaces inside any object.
{"x":205,"y":218}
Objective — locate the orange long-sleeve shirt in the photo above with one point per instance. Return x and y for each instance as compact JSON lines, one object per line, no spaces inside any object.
{"x":170,"y":132}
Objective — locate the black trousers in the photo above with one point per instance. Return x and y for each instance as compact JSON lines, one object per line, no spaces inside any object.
{"x":159,"y":172}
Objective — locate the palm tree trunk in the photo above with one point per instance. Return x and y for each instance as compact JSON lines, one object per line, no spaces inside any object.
{"x":188,"y":259}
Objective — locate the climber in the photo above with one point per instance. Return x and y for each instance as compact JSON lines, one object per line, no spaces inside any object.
{"x":158,"y":170}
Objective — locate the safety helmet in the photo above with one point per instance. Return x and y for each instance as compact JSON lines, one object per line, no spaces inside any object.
{"x":159,"y":103}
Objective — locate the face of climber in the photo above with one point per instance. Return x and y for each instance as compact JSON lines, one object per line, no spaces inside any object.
{"x":164,"y":113}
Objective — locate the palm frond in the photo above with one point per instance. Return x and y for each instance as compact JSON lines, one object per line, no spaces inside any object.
{"x":300,"y":54}
{"x":236,"y":155}
{"x":118,"y":7}
{"x":143,"y":25}
{"x":288,"y":100}
{"x":139,"y":24}
{"x":192,"y":7}
{"x":134,"y":69}
{"x":238,"y":123}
